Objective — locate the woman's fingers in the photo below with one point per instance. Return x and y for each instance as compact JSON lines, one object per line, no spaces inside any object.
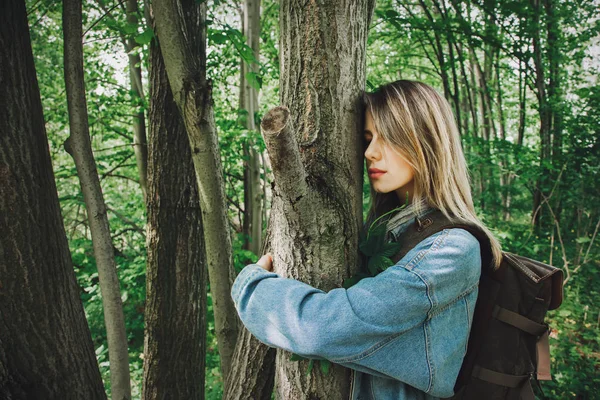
{"x":266,"y":261}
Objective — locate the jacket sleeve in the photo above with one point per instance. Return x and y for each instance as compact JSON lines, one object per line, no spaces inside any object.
{"x":347,"y":325}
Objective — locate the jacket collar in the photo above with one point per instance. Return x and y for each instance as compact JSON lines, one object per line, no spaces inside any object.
{"x":396,"y":232}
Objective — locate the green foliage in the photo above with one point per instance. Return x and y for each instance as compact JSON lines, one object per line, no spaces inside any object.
{"x":401,"y":43}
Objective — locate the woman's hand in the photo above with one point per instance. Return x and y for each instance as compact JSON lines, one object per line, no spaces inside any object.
{"x":266,"y":262}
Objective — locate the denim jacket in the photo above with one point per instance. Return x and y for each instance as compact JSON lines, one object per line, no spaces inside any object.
{"x":403,"y":332}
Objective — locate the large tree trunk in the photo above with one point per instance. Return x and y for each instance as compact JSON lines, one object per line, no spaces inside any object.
{"x":249,"y":102}
{"x":46,"y":350}
{"x":79,"y":146}
{"x":175,"y":315}
{"x":317,"y":161}
{"x":181,"y":30}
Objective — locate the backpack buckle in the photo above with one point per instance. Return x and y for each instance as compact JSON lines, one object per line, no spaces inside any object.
{"x":424,"y":224}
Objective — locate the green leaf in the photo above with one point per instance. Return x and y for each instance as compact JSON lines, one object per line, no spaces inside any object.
{"x":145,"y":37}
{"x":583,"y":239}
{"x":217,"y":37}
{"x":353,"y":280}
{"x":130,"y":29}
{"x":564,"y":313}
{"x":378,"y":263}
{"x":310,"y":366}
{"x":254,"y":80}
{"x":390,"y":249}
{"x":247,"y":54}
{"x":325,"y":364}
{"x":296,"y":357}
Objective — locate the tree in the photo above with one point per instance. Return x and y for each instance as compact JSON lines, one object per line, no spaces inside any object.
{"x":252,"y":227}
{"x":136,"y":86}
{"x":79,"y":146}
{"x":175,"y":314}
{"x":314,"y":144}
{"x":46,"y":350}
{"x":181,"y":30}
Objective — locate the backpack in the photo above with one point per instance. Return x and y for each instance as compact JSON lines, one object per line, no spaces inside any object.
{"x":508,"y":344}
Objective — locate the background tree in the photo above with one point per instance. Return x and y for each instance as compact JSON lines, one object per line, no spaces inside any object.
{"x":79,"y":147}
{"x":175,"y":314}
{"x":45,"y":346}
{"x":181,"y":29}
{"x":250,"y":82}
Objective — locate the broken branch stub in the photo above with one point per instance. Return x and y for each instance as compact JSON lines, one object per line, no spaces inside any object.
{"x":288,"y":171}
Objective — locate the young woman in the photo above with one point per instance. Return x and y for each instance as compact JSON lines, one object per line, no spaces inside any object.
{"x":404,"y":331}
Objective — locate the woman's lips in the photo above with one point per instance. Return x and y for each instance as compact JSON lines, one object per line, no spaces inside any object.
{"x":375,"y":173}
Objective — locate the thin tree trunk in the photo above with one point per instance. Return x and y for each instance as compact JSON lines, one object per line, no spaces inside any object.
{"x":175,"y":315}
{"x":46,"y":350}
{"x":249,"y":102}
{"x":181,"y":30}
{"x":79,"y":146}
{"x":140,"y":146}
{"x":543,"y":183}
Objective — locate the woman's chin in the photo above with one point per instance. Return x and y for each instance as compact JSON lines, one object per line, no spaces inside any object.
{"x":380,"y":189}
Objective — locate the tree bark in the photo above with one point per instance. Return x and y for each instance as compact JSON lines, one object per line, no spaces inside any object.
{"x":79,"y":146}
{"x":181,"y":30}
{"x":252,"y":185}
{"x":46,"y":350}
{"x":317,"y":162}
{"x":175,"y":315}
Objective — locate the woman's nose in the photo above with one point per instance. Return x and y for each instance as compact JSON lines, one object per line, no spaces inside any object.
{"x":372,"y":152}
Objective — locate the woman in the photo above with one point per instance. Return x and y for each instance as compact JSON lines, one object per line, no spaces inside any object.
{"x":404,"y":331}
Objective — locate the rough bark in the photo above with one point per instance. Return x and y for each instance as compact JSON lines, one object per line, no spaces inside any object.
{"x":181,"y":30}
{"x":317,"y":205}
{"x":249,"y":101}
{"x":79,"y":146}
{"x":46,"y":350}
{"x":175,"y":315}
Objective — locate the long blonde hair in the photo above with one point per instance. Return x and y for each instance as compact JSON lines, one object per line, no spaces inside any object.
{"x":418,"y":123}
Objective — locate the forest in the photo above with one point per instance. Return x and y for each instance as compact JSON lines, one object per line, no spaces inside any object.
{"x":137,"y":174}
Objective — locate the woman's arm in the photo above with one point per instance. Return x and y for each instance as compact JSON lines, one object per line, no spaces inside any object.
{"x":409,"y":323}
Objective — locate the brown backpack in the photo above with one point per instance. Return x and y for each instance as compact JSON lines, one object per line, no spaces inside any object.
{"x":508,"y":344}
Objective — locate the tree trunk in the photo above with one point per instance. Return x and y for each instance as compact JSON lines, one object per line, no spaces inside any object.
{"x":46,"y":351}
{"x":181,"y":30}
{"x":316,"y":155}
{"x":252,"y":187}
{"x":175,"y":315}
{"x":543,"y":183}
{"x":140,"y":146}
{"x":79,"y":146}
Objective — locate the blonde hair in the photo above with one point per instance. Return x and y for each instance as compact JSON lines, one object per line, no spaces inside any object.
{"x":418,"y":123}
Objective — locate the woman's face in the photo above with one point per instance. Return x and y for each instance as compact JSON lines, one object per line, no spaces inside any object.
{"x":388,"y":170}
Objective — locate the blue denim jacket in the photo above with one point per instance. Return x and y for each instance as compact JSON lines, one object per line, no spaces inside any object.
{"x":403,"y":332}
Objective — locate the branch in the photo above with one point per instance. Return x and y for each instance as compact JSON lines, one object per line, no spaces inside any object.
{"x":127,"y":221}
{"x":288,"y":171}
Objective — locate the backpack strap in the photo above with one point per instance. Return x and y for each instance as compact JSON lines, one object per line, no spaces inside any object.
{"x":522,"y":382}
